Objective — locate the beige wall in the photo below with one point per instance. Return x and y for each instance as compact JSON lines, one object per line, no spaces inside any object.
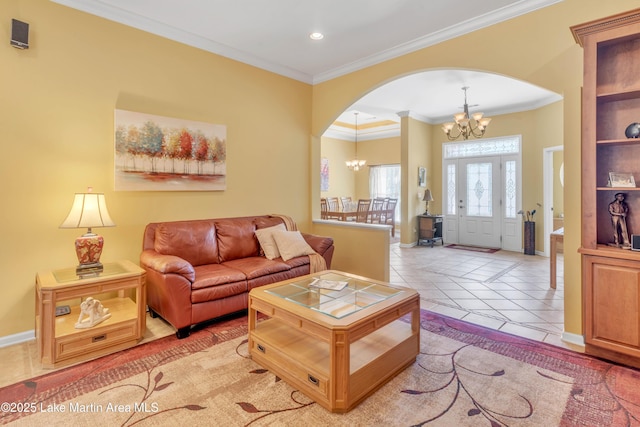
{"x":385,"y":151}
{"x":56,"y":116}
{"x":364,"y":248}
{"x":345,"y":182}
{"x":341,"y":182}
{"x":538,"y":48}
{"x":416,"y":152}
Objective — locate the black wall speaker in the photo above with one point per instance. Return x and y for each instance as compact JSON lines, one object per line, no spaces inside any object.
{"x":635,"y":242}
{"x":19,"y":34}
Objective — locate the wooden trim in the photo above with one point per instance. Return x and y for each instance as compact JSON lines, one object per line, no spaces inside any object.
{"x":581,"y":31}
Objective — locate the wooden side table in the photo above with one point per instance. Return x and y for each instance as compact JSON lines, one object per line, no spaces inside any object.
{"x":555,"y":238}
{"x":429,"y":229}
{"x":120,"y":287}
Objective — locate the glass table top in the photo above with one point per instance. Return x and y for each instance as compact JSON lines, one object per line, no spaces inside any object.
{"x":356,"y":294}
{"x":70,"y":274}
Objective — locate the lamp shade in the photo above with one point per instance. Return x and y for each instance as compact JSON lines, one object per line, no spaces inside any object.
{"x":88,"y":210}
{"x":427,"y":196}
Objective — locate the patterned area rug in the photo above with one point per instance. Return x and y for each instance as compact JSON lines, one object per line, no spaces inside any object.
{"x":473,"y":248}
{"x":465,"y":375}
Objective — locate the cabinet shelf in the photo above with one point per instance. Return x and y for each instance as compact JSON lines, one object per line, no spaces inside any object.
{"x":626,"y":141}
{"x":618,"y":95}
{"x":612,"y":252}
{"x":618,"y":189}
{"x":121,"y":309}
{"x":310,"y":351}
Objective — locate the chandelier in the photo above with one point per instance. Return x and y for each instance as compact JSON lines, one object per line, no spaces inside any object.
{"x":464,"y":125}
{"x":356,"y":164}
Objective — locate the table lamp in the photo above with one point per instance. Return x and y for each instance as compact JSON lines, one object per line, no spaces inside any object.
{"x":427,"y":198}
{"x":88,"y":210}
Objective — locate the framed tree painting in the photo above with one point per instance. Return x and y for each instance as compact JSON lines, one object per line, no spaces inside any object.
{"x":157,"y":153}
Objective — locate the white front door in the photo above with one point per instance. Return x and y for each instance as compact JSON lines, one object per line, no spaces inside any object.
{"x":479,"y":214}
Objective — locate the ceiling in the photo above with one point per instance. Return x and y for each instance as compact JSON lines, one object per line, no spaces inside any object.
{"x":274,"y":35}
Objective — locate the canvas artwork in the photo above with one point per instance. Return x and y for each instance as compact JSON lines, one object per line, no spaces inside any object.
{"x":157,"y":153}
{"x":324,"y":174}
{"x":422,"y":176}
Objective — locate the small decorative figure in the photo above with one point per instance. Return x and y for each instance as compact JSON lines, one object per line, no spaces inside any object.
{"x":94,"y":310}
{"x":618,"y":210}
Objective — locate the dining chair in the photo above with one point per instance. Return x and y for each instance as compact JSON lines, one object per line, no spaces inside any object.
{"x":323,"y":208}
{"x":332,"y":204}
{"x":377,"y":210}
{"x":362,"y":214}
{"x":389,"y":215}
{"x":346,"y":202}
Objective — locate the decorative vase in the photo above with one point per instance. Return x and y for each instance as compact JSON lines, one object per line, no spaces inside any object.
{"x":529,"y":238}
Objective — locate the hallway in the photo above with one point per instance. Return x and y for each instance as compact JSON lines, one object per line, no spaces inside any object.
{"x":507,"y":291}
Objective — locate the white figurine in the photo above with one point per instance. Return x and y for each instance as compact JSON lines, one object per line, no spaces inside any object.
{"x":94,"y":310}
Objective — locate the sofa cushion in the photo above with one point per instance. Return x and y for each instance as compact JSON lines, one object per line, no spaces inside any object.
{"x":257,"y":266}
{"x":193,"y":241}
{"x":298,"y":261}
{"x":236,"y":239}
{"x":291,"y":244}
{"x":216,"y":281}
{"x":267,"y":243}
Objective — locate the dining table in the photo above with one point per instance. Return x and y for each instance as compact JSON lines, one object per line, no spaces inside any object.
{"x":343,"y":214}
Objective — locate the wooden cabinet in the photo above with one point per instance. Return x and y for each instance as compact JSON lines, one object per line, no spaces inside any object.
{"x":120,"y":287}
{"x":429,"y":229}
{"x":610,"y":103}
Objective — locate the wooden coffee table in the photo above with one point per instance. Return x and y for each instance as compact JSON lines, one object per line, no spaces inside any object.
{"x":337,"y":347}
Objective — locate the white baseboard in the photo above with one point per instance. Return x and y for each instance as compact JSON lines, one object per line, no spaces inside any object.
{"x":17,"y":338}
{"x":573,"y":338}
{"x":407,"y":245}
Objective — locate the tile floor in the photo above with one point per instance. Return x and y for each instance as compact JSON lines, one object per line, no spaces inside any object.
{"x":507,"y":291}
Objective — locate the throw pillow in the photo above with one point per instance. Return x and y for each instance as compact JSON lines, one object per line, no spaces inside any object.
{"x":291,"y":244}
{"x":265,"y":237}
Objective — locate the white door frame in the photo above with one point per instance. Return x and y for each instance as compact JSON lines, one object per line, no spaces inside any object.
{"x":547,"y":173}
{"x":451,"y":154}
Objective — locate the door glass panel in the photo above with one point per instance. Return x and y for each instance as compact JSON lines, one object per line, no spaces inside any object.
{"x":451,"y":189}
{"x":510,"y":189}
{"x":487,"y":147}
{"x":479,"y":189}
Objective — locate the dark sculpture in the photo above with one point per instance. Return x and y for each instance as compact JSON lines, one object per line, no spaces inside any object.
{"x":618,"y":210}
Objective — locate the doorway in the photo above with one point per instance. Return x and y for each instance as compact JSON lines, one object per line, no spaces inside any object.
{"x":553,"y":181}
{"x":479,"y":191}
{"x":482,"y":193}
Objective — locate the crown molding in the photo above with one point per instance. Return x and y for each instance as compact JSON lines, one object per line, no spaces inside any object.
{"x":163,"y":30}
{"x":462,"y":28}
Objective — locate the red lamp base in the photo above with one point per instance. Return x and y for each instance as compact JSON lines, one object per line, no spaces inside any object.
{"x":88,"y":249}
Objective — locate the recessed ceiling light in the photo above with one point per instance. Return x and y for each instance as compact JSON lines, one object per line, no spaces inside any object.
{"x":316,"y":36}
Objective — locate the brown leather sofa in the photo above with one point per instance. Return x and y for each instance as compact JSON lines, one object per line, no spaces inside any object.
{"x":199,"y":270}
